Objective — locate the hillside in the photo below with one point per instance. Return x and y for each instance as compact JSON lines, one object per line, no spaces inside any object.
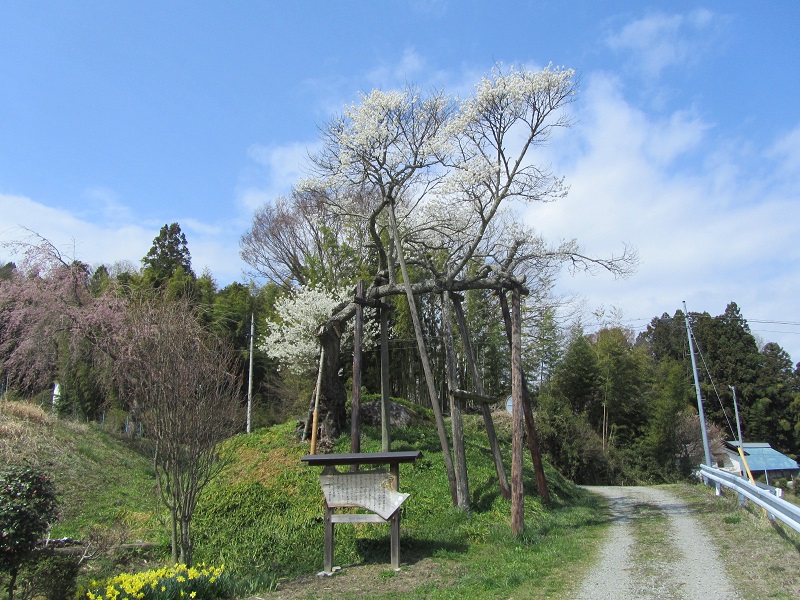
{"x":262,"y":517}
{"x":265,"y":514}
{"x":101,"y":480}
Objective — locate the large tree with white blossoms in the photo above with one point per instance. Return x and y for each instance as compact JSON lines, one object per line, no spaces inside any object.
{"x":433,"y":182}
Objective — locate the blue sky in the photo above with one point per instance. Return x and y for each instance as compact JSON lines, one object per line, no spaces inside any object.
{"x":119,"y":117}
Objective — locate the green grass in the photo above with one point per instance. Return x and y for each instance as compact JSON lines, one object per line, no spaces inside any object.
{"x":265,"y":512}
{"x":100,"y":479}
{"x":652,"y":543}
{"x":262,"y":517}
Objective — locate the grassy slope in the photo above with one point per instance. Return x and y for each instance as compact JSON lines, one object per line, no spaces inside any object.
{"x":100,"y":480}
{"x":265,"y":513}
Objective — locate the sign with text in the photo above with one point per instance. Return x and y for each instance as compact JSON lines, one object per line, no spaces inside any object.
{"x":372,"y":490}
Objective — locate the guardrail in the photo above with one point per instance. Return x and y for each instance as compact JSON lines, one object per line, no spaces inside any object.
{"x":777,"y":508}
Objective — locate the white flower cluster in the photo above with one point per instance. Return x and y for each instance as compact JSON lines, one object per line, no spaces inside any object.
{"x":517,"y":93}
{"x":386,"y":130}
{"x":292,"y":337}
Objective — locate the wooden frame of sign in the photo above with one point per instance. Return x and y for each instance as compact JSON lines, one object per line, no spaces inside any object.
{"x":374,"y":490}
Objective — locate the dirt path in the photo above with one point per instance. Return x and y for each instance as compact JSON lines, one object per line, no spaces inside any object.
{"x":681,"y":563}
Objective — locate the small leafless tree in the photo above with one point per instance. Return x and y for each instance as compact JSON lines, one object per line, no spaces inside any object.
{"x":186,"y":392}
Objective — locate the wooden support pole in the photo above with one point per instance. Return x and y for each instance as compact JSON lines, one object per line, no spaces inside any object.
{"x":517,"y":493}
{"x":423,"y":356}
{"x":502,"y":478}
{"x":328,"y":560}
{"x":456,"y":421}
{"x":315,"y":420}
{"x":355,"y":413}
{"x":530,"y":424}
{"x":464,"y":395}
{"x":394,"y":535}
{"x":386,"y":439}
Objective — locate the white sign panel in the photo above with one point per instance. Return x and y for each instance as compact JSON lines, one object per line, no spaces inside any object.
{"x":366,"y":489}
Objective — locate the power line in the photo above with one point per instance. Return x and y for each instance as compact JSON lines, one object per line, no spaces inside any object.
{"x":795,"y":323}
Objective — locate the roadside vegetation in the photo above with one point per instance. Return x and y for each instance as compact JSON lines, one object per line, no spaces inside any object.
{"x":762,"y":556}
{"x":262,"y":517}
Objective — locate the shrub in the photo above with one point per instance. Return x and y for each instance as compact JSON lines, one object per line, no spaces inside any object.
{"x":27,"y":507}
{"x":47,"y":574}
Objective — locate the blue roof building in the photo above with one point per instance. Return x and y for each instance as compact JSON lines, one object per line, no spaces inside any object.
{"x":761,"y":458}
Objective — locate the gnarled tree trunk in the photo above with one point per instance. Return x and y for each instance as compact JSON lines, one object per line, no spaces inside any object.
{"x":332,"y":404}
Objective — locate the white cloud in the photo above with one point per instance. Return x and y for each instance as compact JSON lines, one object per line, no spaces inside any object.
{"x":276,"y":170}
{"x":391,"y":75}
{"x":78,"y":238}
{"x":106,"y":202}
{"x":660,"y":41}
{"x":786,"y":153}
{"x":98,"y":242}
{"x":706,"y":231}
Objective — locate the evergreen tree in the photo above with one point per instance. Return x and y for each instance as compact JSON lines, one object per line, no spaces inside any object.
{"x":728,"y":356}
{"x":7,"y":270}
{"x":546,"y":344}
{"x":99,"y":281}
{"x":670,"y":398}
{"x":168,"y":253}
{"x":665,"y":337}
{"x":576,"y":376}
{"x":770,"y":415}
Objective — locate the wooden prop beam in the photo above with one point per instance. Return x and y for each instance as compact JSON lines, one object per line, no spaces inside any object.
{"x":517,"y":492}
{"x":465,"y":395}
{"x":456,"y":421}
{"x":497,"y":456}
{"x":358,"y":337}
{"x":386,"y":440}
{"x":423,"y":356}
{"x":530,"y":424}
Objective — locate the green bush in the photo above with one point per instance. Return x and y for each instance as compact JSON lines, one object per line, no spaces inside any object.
{"x":27,"y":507}
{"x":48,"y":574}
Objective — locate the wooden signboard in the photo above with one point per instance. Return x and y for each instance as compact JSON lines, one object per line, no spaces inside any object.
{"x":376,"y":491}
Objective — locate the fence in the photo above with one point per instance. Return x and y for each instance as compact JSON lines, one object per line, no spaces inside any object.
{"x":777,"y":508}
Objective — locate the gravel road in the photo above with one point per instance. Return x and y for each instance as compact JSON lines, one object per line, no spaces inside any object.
{"x":690,"y":569}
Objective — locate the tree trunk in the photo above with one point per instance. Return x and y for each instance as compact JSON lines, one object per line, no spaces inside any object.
{"x":332,"y":401}
{"x":186,"y":544}
{"x":12,"y":581}
{"x":530,"y":424}
{"x":517,"y":492}
{"x":173,"y":534}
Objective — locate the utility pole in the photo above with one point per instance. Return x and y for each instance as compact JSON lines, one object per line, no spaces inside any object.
{"x":741,"y":441}
{"x":700,"y":410}
{"x":736,"y":410}
{"x":250,"y":374}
